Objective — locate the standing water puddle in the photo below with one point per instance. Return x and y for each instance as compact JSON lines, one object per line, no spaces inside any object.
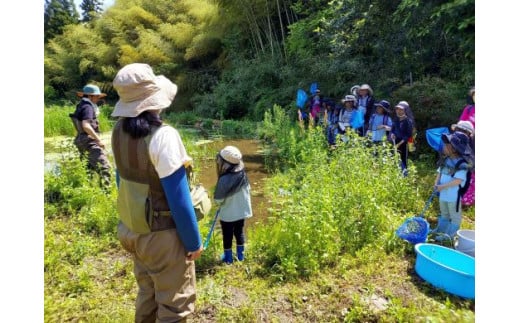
{"x":252,"y":155}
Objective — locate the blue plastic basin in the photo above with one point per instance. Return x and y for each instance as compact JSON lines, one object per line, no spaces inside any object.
{"x":446,"y":268}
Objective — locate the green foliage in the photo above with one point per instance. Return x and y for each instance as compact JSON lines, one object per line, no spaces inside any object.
{"x":285,"y":141}
{"x":80,"y":225}
{"x":130,"y":32}
{"x":326,"y":226}
{"x":57,"y":15}
{"x":443,"y":33}
{"x":73,"y":60}
{"x":235,"y":59}
{"x":251,"y":88}
{"x":328,"y":203}
{"x":57,"y":121}
{"x":434,"y":102}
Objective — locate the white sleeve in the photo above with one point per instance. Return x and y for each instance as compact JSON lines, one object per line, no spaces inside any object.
{"x":167,"y":151}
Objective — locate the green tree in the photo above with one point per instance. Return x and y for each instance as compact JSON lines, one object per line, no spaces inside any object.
{"x":75,"y":58}
{"x":57,"y":15}
{"x":91,"y":9}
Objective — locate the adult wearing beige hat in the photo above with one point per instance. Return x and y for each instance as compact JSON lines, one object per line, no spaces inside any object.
{"x":365,"y":104}
{"x":87,"y":140}
{"x":158,"y":225}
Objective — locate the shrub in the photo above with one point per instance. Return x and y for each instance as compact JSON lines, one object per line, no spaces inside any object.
{"x":328,"y":203}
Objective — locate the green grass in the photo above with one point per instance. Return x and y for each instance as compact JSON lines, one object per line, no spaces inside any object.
{"x":327,"y":254}
{"x":57,"y":121}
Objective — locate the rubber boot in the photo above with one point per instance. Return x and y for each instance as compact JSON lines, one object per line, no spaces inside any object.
{"x":227,"y":256}
{"x":404,"y":170}
{"x":442,"y":225}
{"x":240,"y":253}
{"x":452,"y":230}
{"x":442,"y":229}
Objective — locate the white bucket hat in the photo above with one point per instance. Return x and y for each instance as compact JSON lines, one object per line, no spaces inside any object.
{"x":139,"y":90}
{"x":349,"y":98}
{"x":402,"y":105}
{"x":231,"y":154}
{"x":463,"y":125}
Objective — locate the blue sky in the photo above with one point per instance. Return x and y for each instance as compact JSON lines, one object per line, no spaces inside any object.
{"x":106,"y":4}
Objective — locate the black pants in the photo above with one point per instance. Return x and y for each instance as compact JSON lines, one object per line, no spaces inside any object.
{"x":403,"y":153}
{"x":230,"y":229}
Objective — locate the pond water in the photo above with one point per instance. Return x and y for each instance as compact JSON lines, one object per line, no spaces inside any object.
{"x":253,"y":157}
{"x":252,"y":152}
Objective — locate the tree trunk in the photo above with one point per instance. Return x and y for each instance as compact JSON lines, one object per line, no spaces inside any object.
{"x":281,"y":28}
{"x":270,"y":34}
{"x":254,"y":24}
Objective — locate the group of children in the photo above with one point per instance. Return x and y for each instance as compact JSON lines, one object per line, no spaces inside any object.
{"x":360,"y":112}
{"x":376,"y":120}
{"x":457,"y":159}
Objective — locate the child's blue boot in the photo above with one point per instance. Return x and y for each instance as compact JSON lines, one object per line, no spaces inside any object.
{"x":442,"y":225}
{"x":227,"y":256}
{"x":452,"y":230}
{"x":442,"y":229}
{"x":240,"y":253}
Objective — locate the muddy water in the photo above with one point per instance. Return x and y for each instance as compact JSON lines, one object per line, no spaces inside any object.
{"x":206,"y":173}
{"x":253,"y":158}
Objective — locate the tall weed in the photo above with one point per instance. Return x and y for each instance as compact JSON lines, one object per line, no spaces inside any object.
{"x":57,"y":121}
{"x":328,"y":203}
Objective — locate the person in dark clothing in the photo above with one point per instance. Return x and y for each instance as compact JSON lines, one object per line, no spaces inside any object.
{"x":87,"y":139}
{"x":401,"y":131}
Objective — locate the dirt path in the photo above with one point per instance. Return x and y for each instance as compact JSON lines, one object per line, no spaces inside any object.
{"x":255,"y":169}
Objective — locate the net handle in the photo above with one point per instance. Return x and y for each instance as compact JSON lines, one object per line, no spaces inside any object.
{"x":428,"y":202}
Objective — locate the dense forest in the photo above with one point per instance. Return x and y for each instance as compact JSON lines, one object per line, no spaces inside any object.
{"x":235,"y":59}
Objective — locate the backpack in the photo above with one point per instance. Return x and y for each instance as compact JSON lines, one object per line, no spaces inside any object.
{"x":462,"y":189}
{"x":201,"y":201}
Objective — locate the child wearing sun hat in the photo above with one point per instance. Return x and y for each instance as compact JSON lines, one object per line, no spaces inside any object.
{"x":380,"y":122}
{"x":233,"y":195}
{"x":450,"y":175}
{"x":402,"y":129}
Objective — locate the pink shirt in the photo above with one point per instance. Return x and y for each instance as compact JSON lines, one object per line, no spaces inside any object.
{"x":468,"y":114}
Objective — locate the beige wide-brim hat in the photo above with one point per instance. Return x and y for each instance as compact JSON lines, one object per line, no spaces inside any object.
{"x":140,"y":90}
{"x":366,"y":87}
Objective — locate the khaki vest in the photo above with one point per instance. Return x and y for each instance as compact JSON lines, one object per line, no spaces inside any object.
{"x":141,"y":197}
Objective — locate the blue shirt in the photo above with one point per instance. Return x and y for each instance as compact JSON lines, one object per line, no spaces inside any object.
{"x":449,"y":194}
{"x":378,"y":120}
